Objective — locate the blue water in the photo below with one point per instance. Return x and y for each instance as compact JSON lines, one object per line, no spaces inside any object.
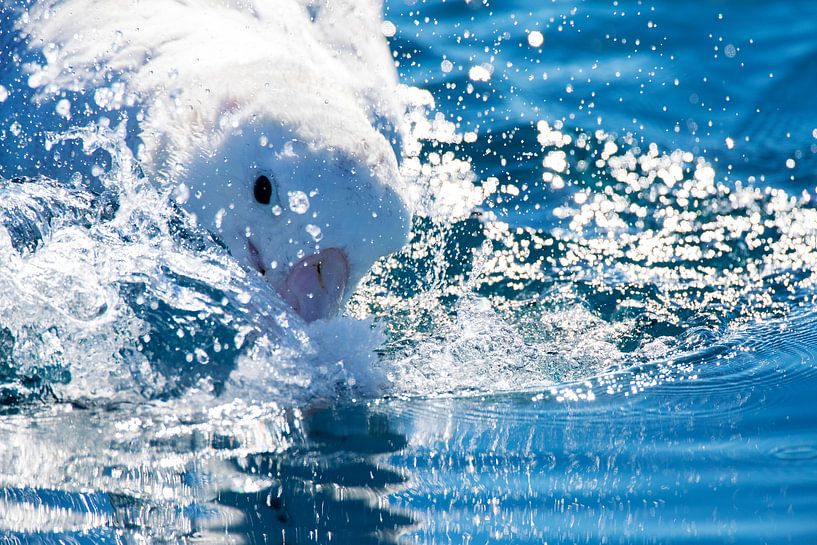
{"x":639,"y":368}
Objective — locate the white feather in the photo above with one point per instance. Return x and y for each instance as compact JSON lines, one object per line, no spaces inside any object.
{"x":304,"y":92}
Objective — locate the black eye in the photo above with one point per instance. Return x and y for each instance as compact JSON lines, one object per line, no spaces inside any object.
{"x":262,"y":190}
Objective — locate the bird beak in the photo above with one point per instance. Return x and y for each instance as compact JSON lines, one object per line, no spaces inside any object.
{"x":316,"y":284}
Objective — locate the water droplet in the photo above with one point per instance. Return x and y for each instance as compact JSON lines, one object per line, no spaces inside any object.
{"x":388,"y":29}
{"x":36,"y":79}
{"x":102,"y":97}
{"x":535,"y":39}
{"x":64,"y":108}
{"x":314,"y":231}
{"x":201,"y":356}
{"x":481,"y":72}
{"x":220,"y":218}
{"x":298,"y":202}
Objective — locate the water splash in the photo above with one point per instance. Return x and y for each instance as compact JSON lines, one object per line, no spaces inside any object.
{"x":111,"y":294}
{"x":652,"y":258}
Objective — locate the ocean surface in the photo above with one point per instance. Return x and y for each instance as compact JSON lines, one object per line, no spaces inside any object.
{"x":603,"y":330}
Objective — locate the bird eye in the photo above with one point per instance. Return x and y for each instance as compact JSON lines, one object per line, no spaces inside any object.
{"x":262,"y":190}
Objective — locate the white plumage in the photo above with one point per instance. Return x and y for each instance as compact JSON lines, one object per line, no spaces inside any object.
{"x":224,"y":92}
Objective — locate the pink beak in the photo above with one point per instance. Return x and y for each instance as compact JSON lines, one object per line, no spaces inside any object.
{"x":316,"y":284}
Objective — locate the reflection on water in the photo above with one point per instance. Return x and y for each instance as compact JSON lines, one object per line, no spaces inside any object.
{"x":722,"y":450}
{"x":77,"y":476}
{"x":330,"y":490}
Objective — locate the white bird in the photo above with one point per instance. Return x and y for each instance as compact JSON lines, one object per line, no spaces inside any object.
{"x":275,"y":121}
